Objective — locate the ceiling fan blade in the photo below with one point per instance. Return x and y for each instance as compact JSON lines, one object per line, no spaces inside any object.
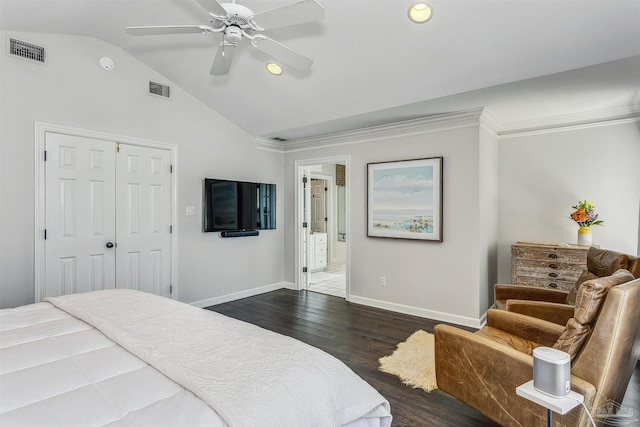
{"x":213,"y":6}
{"x":223,"y":59}
{"x":296,"y":13}
{"x":281,"y":52}
{"x":167,"y":29}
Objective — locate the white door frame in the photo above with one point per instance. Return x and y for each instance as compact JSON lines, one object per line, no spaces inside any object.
{"x":299,"y":166}
{"x":41,"y":130}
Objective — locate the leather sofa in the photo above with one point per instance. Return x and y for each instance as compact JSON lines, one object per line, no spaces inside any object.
{"x":555,"y":305}
{"x":484,"y":368}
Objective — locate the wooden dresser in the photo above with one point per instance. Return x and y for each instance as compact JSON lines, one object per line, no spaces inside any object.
{"x":546,"y":265}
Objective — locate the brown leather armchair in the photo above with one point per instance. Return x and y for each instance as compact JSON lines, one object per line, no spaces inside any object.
{"x":555,"y":305}
{"x":484,"y":368}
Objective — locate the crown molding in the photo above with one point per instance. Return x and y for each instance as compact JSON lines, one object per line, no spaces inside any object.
{"x":490,"y":122}
{"x":447,"y":121}
{"x":575,"y":120}
{"x":268,"y":144}
{"x":419,"y":126}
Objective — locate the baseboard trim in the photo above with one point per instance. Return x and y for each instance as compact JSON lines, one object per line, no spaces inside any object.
{"x":421,"y":312}
{"x":385,"y":305}
{"x":239,"y":295}
{"x":289,"y":285}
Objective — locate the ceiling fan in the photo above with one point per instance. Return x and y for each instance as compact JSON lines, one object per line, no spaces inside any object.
{"x":236,"y":22}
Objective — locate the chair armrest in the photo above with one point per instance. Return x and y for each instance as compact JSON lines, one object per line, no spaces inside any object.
{"x":549,"y":311}
{"x":484,"y":374}
{"x":505,"y":292}
{"x":530,"y":328}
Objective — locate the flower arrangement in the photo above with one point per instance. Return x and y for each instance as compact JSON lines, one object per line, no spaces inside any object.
{"x":585,"y":215}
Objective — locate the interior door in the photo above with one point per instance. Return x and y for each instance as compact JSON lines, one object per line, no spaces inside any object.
{"x":143,"y":212}
{"x":306,"y":223}
{"x":319,"y":206}
{"x":80,"y":214}
{"x":107,"y":216}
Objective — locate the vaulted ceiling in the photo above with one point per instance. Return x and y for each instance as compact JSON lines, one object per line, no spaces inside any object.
{"x":523,"y":59}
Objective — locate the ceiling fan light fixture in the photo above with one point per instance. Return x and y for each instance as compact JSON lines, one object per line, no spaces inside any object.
{"x":274,"y":69}
{"x":420,"y":12}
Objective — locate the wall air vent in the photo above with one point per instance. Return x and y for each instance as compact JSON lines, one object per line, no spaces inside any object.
{"x":27,"y":50}
{"x":159,"y":89}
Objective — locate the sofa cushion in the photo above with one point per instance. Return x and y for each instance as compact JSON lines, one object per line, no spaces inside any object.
{"x":589,"y":299}
{"x":572,"y":337}
{"x":586,"y":275}
{"x":603,"y":262}
{"x":592,"y":293}
{"x":634,"y":266}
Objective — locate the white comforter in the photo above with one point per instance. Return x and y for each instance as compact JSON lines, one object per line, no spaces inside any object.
{"x":56,"y":370}
{"x":250,"y":376}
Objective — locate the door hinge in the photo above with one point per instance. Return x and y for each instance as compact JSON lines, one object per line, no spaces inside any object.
{"x":304,"y":269}
{"x":170,"y":168}
{"x":326,"y":189}
{"x":117,"y":147}
{"x":304,"y":225}
{"x":170,"y":289}
{"x":326,"y":219}
{"x":304,"y":179}
{"x":45,"y":234}
{"x":45,"y":155}
{"x":171,"y":229}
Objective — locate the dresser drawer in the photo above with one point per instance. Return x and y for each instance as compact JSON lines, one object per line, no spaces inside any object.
{"x":320,"y":238}
{"x":571,"y":256}
{"x":546,"y":269}
{"x":562,"y":285}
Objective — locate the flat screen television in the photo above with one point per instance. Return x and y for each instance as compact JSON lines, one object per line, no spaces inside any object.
{"x":238,"y":205}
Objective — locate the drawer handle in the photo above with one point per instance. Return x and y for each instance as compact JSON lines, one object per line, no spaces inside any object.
{"x":553,"y":256}
{"x":553,"y":285}
{"x":553,"y":266}
{"x":553,"y":274}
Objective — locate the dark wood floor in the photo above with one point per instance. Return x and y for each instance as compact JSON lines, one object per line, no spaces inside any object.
{"x":359,"y":335}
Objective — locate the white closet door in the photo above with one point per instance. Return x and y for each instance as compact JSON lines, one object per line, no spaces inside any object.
{"x":143,"y":183}
{"x":80,"y":214}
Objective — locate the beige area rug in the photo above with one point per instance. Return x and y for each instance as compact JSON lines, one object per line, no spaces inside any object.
{"x":413,"y":361}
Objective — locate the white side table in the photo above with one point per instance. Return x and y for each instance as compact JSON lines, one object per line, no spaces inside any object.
{"x":560,"y":405}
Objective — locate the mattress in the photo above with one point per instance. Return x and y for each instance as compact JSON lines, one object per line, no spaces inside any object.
{"x":59,"y":369}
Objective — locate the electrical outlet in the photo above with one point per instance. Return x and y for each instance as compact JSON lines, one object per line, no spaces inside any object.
{"x":383,"y":281}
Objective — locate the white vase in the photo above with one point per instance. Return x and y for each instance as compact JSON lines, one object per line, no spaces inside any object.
{"x":584,"y":236}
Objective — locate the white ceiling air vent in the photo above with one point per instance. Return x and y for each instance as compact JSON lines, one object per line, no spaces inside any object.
{"x":159,"y":89}
{"x":27,"y":51}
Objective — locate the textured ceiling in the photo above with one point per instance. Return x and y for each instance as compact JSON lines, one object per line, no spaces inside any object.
{"x":372,"y":65}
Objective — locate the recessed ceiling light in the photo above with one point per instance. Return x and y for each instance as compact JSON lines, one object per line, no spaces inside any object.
{"x":420,"y":12}
{"x":274,"y":68}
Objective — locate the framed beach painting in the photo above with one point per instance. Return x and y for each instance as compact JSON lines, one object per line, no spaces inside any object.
{"x":404,"y":199}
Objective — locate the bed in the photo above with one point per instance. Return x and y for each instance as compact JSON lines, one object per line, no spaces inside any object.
{"x":128,"y":358}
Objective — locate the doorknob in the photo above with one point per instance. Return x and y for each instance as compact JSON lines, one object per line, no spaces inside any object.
{"x":109,"y":245}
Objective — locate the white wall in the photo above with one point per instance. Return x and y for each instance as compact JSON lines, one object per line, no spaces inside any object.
{"x":439,"y":280}
{"x":73,"y":90}
{"x":488,"y":218}
{"x":543,"y":174}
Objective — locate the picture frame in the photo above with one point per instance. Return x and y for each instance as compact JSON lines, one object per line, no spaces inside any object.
{"x":404,"y":199}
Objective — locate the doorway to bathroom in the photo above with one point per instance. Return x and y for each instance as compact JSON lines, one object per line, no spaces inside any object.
{"x":322,"y":240}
